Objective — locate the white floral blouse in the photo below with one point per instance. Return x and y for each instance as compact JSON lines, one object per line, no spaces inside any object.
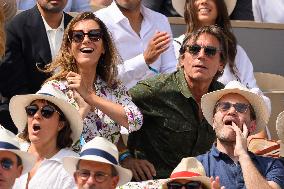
{"x":98,"y":123}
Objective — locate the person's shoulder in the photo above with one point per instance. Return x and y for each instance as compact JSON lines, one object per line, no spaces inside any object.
{"x":68,"y":152}
{"x":153,"y":13}
{"x":21,"y":18}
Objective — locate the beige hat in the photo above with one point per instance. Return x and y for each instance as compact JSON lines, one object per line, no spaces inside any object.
{"x":189,"y":169}
{"x":280,"y":131}
{"x":9,"y":142}
{"x":99,"y":149}
{"x":10,"y":8}
{"x":52,"y":93}
{"x":209,"y":100}
{"x":179,"y":6}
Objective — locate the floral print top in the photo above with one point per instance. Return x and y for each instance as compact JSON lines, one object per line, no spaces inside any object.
{"x":98,"y":123}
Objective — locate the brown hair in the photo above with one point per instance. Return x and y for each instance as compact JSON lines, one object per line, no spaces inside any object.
{"x":216,"y":32}
{"x":223,"y":21}
{"x":107,"y":66}
{"x":64,"y":135}
{"x":2,"y":33}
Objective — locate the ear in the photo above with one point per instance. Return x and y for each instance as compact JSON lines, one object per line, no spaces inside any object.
{"x":114,"y":181}
{"x":213,"y":123}
{"x":19,"y":171}
{"x":252,"y":127}
{"x":61,"y":125}
{"x":221,"y":67}
{"x":75,"y":177}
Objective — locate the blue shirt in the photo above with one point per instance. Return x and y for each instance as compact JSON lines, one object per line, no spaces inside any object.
{"x":219,"y":164}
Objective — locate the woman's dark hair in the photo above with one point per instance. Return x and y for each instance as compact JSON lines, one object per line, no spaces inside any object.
{"x":107,"y":65}
{"x":64,"y":135}
{"x":223,"y":21}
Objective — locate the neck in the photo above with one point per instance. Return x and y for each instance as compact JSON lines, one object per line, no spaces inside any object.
{"x":43,"y":151}
{"x":52,"y":19}
{"x":197,"y":88}
{"x":88,"y":76}
{"x":134,"y":16}
{"x":227,"y":148}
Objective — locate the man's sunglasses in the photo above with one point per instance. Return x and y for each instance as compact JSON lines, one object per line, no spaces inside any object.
{"x":78,"y":35}
{"x":188,"y":185}
{"x":6,"y":163}
{"x":46,"y":111}
{"x":239,"y":107}
{"x":209,"y":51}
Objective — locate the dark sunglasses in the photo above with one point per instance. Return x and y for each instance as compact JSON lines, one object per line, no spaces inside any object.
{"x":78,"y":35}
{"x":46,"y":111}
{"x":188,"y":185}
{"x":6,"y":163}
{"x":225,"y":106}
{"x":209,"y":51}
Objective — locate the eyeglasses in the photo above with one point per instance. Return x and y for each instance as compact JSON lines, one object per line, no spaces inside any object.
{"x":239,"y":107}
{"x":99,"y":176}
{"x":188,"y":185}
{"x":6,"y":163}
{"x":209,"y":51}
{"x":78,"y":35}
{"x":46,"y":111}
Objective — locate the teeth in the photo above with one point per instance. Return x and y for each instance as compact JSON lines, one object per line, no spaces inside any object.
{"x":204,"y":10}
{"x":86,"y":50}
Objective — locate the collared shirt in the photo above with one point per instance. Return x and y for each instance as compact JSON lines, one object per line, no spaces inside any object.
{"x":71,"y":6}
{"x":55,"y":36}
{"x":131,"y":46}
{"x":50,"y":174}
{"x":172,"y":129}
{"x":97,"y":123}
{"x":219,"y":164}
{"x":268,"y":11}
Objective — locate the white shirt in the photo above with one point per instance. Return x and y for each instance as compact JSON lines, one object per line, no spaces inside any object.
{"x":55,"y":36}
{"x":50,"y":174}
{"x":131,"y":46}
{"x":268,"y":11}
{"x":244,"y":70}
{"x":71,"y":6}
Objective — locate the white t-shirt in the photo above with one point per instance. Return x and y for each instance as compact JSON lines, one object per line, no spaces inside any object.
{"x":50,"y":175}
{"x":268,"y":11}
{"x":131,"y":46}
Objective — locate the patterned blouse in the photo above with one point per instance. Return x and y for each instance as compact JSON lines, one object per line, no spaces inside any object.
{"x":98,"y":123}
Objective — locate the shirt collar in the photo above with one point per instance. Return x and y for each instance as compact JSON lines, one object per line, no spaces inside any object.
{"x":48,"y":28}
{"x":182,"y":84}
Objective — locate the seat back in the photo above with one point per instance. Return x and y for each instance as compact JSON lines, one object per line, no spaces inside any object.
{"x":272,"y":86}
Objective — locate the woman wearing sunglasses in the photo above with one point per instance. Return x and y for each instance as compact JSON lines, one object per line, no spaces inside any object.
{"x":48,"y":126}
{"x":198,"y":13}
{"x":86,"y":71}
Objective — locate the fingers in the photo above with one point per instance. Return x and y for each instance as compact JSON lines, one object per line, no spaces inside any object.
{"x":245,"y":130}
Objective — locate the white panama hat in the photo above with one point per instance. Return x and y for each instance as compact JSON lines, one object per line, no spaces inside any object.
{"x":52,"y":93}
{"x":189,"y":169}
{"x":179,"y":6}
{"x":280,"y":131}
{"x":9,"y":142}
{"x":209,"y":100}
{"x":99,"y":149}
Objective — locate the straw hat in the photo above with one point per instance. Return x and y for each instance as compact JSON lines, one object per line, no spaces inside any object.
{"x":189,"y":169}
{"x":280,"y":131}
{"x":10,"y":8}
{"x":179,"y":6}
{"x":53,"y":94}
{"x":99,"y":149}
{"x":9,"y":142}
{"x":209,"y":100}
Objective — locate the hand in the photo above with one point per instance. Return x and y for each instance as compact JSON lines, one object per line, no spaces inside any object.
{"x":241,"y":140}
{"x":215,"y":184}
{"x":84,"y":107}
{"x":159,"y":43}
{"x":75,"y":82}
{"x":141,"y":169}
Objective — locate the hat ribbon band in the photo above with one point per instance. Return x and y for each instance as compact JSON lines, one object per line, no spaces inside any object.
{"x":184,"y":174}
{"x":47,"y":94}
{"x":8,"y":146}
{"x":101,"y":153}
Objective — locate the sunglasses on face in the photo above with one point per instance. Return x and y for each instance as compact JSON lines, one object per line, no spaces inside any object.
{"x":209,"y":51}
{"x":188,"y":185}
{"x":99,"y":176}
{"x":46,"y":111}
{"x":225,"y":106}
{"x":6,"y":163}
{"x":78,"y":35}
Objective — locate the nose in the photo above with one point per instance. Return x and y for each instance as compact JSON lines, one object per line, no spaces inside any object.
{"x":232,"y":111}
{"x":86,"y":39}
{"x":201,"y":53}
{"x":91,"y":180}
